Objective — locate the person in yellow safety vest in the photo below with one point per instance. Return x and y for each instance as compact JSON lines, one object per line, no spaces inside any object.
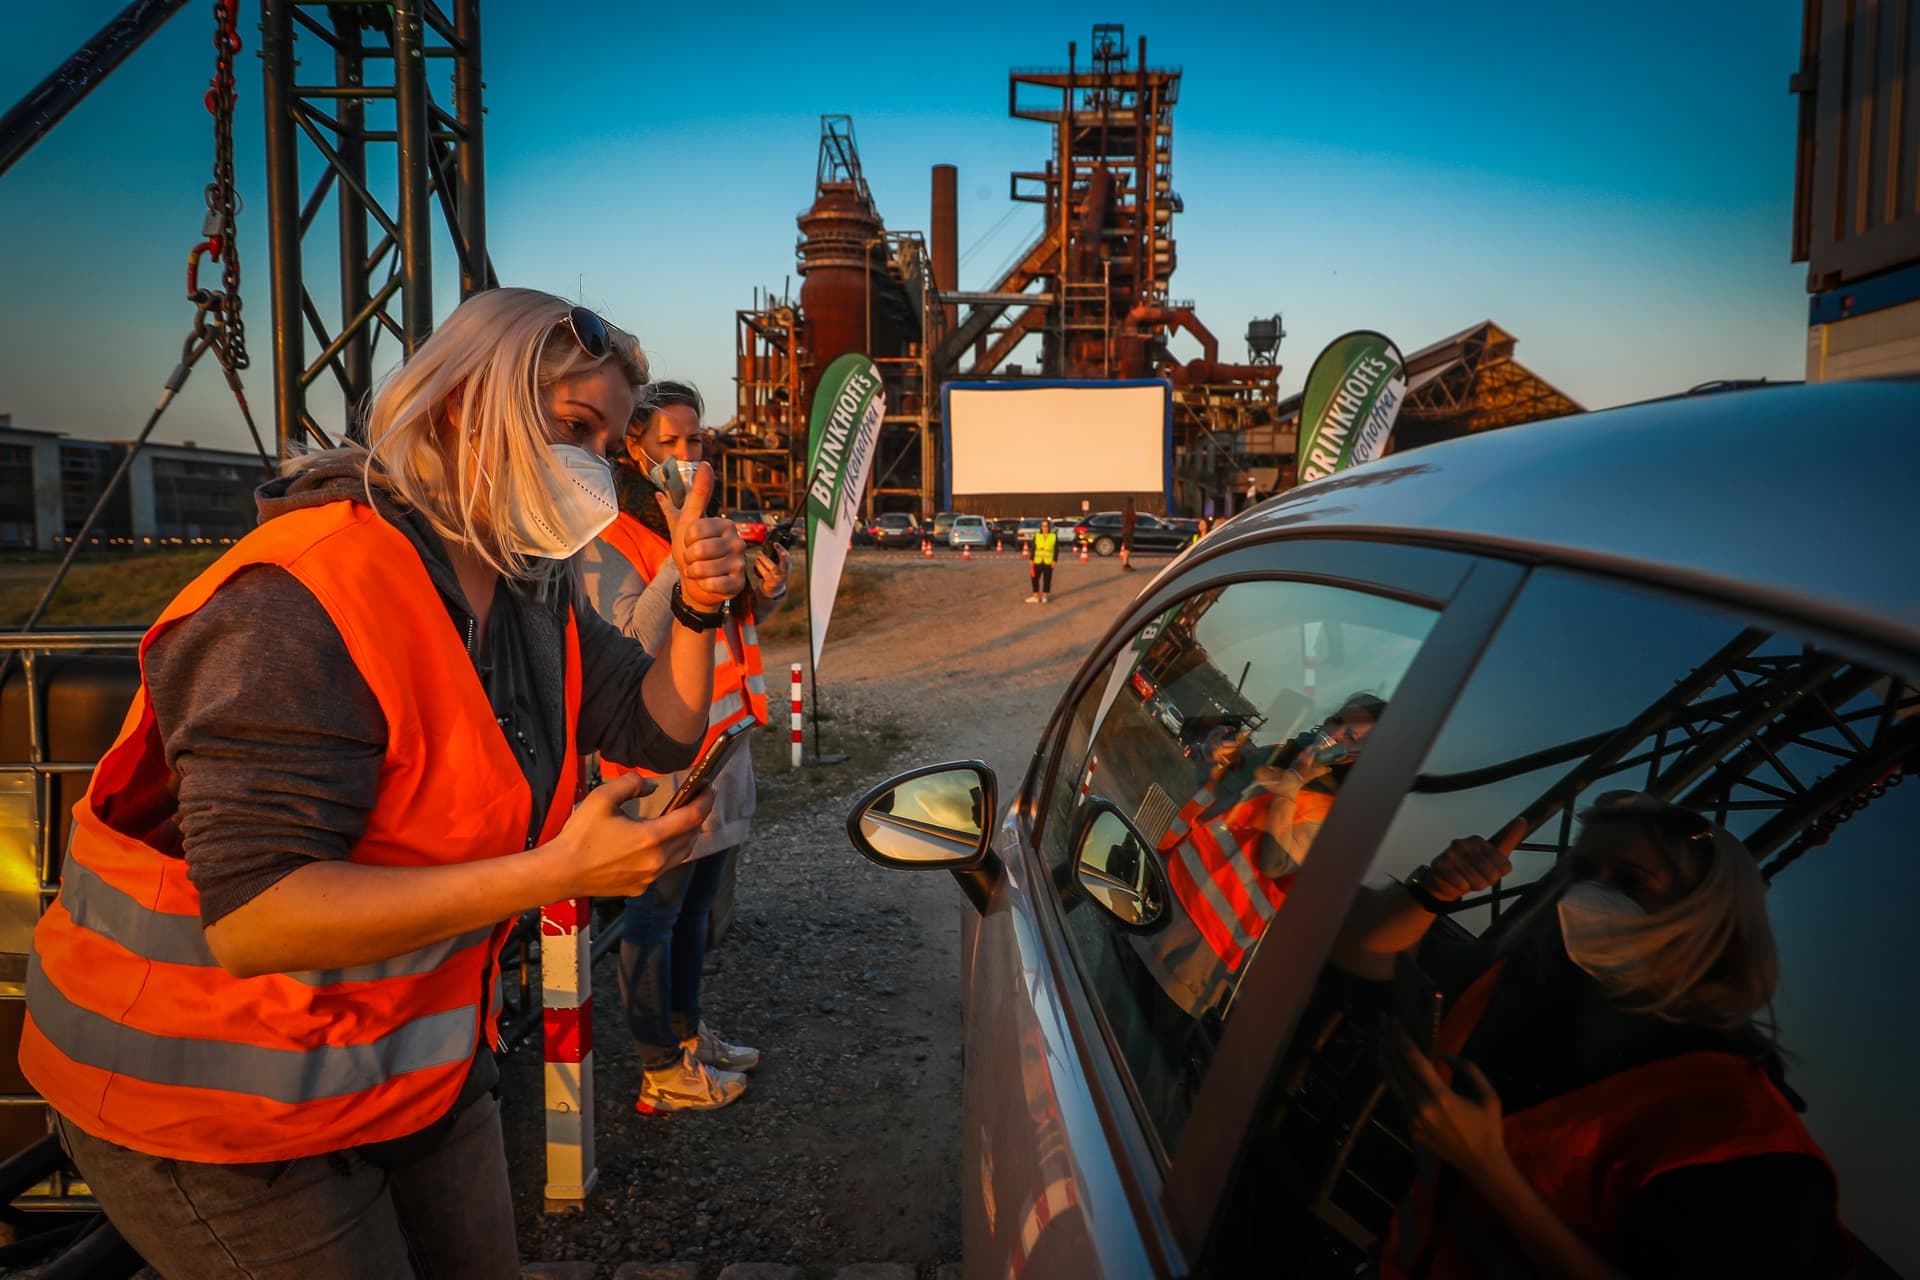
{"x":685,"y":1064}
{"x":1040,"y":572}
{"x":1230,"y":868}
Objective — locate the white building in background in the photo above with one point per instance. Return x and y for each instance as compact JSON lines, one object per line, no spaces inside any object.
{"x":50,"y":482}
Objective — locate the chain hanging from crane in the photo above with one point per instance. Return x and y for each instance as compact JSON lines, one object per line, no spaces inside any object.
{"x":1821,"y":829}
{"x":223,"y":199}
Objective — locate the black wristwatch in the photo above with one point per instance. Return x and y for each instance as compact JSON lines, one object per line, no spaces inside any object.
{"x":1416,"y":886}
{"x":694,"y":620}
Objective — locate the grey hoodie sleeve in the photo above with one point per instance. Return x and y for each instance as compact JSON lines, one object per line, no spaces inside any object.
{"x":644,"y":610}
{"x":273,"y":734}
{"x":613,"y":719}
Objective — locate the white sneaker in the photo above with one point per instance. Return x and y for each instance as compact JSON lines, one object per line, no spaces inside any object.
{"x":687,"y":1084}
{"x":1033,"y":599}
{"x":709,"y":1048}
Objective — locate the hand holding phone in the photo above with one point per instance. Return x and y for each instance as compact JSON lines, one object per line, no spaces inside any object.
{"x":714,"y":758}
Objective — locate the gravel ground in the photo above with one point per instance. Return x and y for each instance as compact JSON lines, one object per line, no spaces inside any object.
{"x":846,"y":1147}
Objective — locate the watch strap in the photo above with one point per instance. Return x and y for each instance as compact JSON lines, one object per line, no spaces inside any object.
{"x":694,"y":619}
{"x":1416,"y":887}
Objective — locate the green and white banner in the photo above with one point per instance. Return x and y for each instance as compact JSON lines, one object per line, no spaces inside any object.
{"x":1353,"y":394}
{"x":843,"y":434}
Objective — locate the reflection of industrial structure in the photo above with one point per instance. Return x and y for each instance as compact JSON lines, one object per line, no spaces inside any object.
{"x":1092,"y":290}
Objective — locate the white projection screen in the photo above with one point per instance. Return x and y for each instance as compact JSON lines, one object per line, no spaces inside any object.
{"x":1042,"y":448}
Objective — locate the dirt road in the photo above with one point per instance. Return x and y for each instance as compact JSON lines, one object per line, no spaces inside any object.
{"x":847,"y":1146}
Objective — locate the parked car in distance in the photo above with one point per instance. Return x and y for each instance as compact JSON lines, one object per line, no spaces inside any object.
{"x":751,"y":524}
{"x":1167,"y":1074}
{"x":896,"y":529}
{"x":942,"y":522}
{"x":969,"y":531}
{"x":1150,"y":533}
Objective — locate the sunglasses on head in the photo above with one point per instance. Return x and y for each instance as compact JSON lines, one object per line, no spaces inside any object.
{"x":1675,"y":823}
{"x":590,"y":331}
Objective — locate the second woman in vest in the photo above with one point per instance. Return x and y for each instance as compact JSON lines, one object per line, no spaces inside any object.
{"x":686,"y":1065}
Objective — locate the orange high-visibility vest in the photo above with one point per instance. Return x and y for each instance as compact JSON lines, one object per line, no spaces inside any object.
{"x":1589,"y":1150}
{"x":137,"y":1035}
{"x":1214,"y":868}
{"x":739,"y":682}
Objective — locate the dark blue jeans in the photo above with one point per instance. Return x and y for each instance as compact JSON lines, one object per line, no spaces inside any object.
{"x":444,"y":1214}
{"x":663,"y":948}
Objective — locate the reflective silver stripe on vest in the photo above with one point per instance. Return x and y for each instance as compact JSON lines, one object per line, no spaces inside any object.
{"x":749,"y":634}
{"x":1202,"y":876}
{"x":283,"y":1075}
{"x":757,"y":683}
{"x":1230,"y":853}
{"x":99,"y":907}
{"x":726,"y":708}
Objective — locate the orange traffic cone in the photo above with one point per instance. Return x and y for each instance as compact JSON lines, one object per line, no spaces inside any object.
{"x":1083,"y":553}
{"x":966,"y":551}
{"x":926,"y":548}
{"x":996,"y":546}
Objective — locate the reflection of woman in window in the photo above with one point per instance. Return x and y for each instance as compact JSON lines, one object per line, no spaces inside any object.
{"x":1231,"y":854}
{"x":1302,"y":783}
{"x":1615,"y":1106}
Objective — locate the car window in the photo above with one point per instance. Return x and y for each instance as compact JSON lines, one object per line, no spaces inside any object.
{"x":1181,"y":754}
{"x":1795,"y":748}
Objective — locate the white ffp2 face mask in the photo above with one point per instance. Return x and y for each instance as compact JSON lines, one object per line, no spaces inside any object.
{"x":672,"y":476}
{"x":1598,"y":923}
{"x":580,"y":489}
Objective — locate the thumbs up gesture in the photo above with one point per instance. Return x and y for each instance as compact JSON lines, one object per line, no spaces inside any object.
{"x":707,"y":549}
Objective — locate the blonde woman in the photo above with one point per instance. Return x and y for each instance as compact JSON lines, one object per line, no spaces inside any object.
{"x":1607,"y":1099}
{"x":262,"y":1004}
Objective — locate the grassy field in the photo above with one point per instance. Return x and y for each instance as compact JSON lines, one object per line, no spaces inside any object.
{"x":860,"y":585}
{"x":130,"y":590}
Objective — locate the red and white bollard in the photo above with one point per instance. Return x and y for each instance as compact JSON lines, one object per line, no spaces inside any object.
{"x":566,"y":1025}
{"x":1086,"y":783}
{"x":795,"y":717}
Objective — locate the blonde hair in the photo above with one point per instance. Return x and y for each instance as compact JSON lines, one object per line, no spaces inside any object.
{"x":491,"y":359}
{"x":1709,"y":958}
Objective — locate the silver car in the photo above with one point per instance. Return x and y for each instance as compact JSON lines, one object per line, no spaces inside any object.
{"x":969,"y":531}
{"x":1715,"y":602}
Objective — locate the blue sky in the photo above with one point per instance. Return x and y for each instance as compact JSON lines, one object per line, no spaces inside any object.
{"x":1612,"y":183}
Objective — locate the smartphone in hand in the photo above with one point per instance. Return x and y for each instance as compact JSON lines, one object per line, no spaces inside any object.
{"x":714,"y":758}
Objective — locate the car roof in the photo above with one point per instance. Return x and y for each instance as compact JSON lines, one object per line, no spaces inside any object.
{"x":1796,"y":497}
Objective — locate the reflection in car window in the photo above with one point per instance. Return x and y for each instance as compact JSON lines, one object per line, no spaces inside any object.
{"x":1759,"y":817}
{"x":1194,"y":777}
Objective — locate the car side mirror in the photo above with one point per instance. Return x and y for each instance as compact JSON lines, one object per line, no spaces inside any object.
{"x":1118,"y":869}
{"x":938,"y":818}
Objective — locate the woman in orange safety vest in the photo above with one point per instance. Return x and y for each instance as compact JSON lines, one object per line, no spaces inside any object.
{"x":685,"y":1064}
{"x":1230,"y":868}
{"x":263,"y":1002}
{"x":1603,"y":1102}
